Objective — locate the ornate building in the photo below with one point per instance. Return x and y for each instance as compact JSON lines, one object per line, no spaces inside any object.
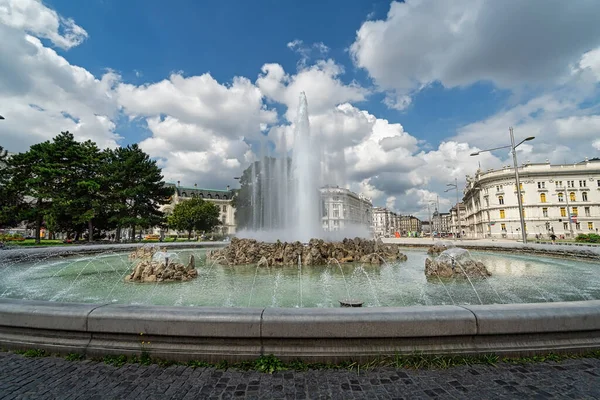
{"x":343,"y":209}
{"x":221,"y":198}
{"x":550,"y":194}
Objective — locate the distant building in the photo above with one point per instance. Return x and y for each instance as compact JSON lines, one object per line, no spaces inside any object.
{"x":440,"y":222}
{"x":454,"y":219}
{"x":220,"y":198}
{"x":343,"y":209}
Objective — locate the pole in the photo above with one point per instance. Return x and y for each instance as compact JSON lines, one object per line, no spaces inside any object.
{"x":429,"y":213}
{"x":569,"y":213}
{"x":514,"y":152}
{"x":459,"y":228}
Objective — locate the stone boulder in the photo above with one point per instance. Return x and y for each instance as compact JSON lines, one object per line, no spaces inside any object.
{"x":436,"y":249}
{"x":154,"y":269}
{"x":315,"y":252}
{"x":457,"y":263}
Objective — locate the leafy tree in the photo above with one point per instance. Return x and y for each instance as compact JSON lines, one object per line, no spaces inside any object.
{"x":36,"y":174}
{"x":135,"y":189}
{"x":194,"y":215}
{"x":11,"y":201}
{"x":78,"y":197}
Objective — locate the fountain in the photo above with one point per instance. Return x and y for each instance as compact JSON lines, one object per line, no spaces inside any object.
{"x":284,"y":191}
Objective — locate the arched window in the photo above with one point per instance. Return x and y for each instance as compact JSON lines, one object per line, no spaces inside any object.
{"x":561,"y":198}
{"x":500,"y":199}
{"x":217,"y":196}
{"x":201,"y":195}
{"x":208,"y":196}
{"x":224,"y":197}
{"x":502,"y":214}
{"x":584,"y":196}
{"x":184,"y":194}
{"x":543,"y":197}
{"x":572,"y":196}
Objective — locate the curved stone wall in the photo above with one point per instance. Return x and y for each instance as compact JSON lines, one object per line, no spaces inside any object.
{"x":313,"y":334}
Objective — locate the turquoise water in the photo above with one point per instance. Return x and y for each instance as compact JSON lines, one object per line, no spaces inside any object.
{"x":99,"y":279}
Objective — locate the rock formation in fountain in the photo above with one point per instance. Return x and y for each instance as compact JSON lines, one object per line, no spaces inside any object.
{"x":436,"y":249}
{"x":316,"y":252}
{"x":455,"y":262}
{"x":156,"y":265}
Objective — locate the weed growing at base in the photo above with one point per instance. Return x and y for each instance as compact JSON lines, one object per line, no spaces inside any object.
{"x":271,"y":364}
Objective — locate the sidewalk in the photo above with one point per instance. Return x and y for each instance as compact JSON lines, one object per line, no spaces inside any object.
{"x":56,"y":378}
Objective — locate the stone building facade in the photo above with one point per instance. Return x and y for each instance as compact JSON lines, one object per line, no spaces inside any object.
{"x":343,"y":209}
{"x":220,"y":198}
{"x":550,"y":193}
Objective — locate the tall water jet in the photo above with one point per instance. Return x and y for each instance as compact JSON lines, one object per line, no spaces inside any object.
{"x":306,"y":173}
{"x":283,"y":192}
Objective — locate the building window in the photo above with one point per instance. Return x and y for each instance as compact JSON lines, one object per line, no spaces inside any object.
{"x":541,"y":185}
{"x":520,"y":186}
{"x":558,"y":184}
{"x":584,"y":196}
{"x":487,"y":202}
{"x":500,"y":199}
{"x":545,"y":211}
{"x":598,"y":182}
{"x":224,"y":219}
{"x":503,"y":227}
{"x":502,"y":214}
{"x":543,"y":197}
{"x":224,"y":208}
{"x":574,"y":211}
{"x":591,"y":226}
{"x":587,"y":211}
{"x":578,"y":226}
{"x":561,"y":198}
{"x":565,"y":226}
{"x":336,"y":213}
{"x":563,"y":212}
{"x":570,"y":184}
{"x":572,"y":196}
{"x":582,"y":183}
{"x":523,"y":213}
{"x":522,"y":200}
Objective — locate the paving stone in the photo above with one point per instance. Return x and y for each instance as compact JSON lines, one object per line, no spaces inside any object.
{"x":51,"y":378}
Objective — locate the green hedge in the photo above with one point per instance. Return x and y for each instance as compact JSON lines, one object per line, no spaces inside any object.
{"x":591,"y":238}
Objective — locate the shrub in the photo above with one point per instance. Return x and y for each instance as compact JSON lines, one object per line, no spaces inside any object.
{"x":591,"y":238}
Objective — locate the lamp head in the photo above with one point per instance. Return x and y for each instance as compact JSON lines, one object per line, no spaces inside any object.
{"x":474,"y":154}
{"x":529,"y":138}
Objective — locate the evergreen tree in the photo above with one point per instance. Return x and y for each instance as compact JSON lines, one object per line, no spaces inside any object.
{"x":194,"y":215}
{"x":35,"y":175}
{"x":11,"y":201}
{"x":135,"y":189}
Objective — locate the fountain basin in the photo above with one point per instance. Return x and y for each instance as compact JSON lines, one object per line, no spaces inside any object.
{"x":316,"y":335}
{"x":99,"y":328}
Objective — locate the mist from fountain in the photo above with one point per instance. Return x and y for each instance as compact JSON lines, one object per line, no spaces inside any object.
{"x":285,"y":191}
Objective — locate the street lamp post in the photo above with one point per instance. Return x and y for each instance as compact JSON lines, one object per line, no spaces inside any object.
{"x":455,"y":186}
{"x":513,"y":148}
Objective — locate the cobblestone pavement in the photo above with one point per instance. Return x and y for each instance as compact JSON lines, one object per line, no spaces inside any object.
{"x":56,"y":378}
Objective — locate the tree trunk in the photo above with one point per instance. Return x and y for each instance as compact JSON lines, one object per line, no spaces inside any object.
{"x":133,"y":233}
{"x":76,"y":239}
{"x":118,"y":234}
{"x":189,"y":235}
{"x":90,"y":231}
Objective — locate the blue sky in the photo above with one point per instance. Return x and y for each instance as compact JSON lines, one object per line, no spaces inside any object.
{"x":235,"y":38}
{"x":404,"y":90}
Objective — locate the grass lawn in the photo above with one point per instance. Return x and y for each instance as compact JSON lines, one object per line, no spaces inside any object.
{"x":31,"y":242}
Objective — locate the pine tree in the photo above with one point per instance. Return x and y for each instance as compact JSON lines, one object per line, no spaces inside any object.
{"x":135,"y":188}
